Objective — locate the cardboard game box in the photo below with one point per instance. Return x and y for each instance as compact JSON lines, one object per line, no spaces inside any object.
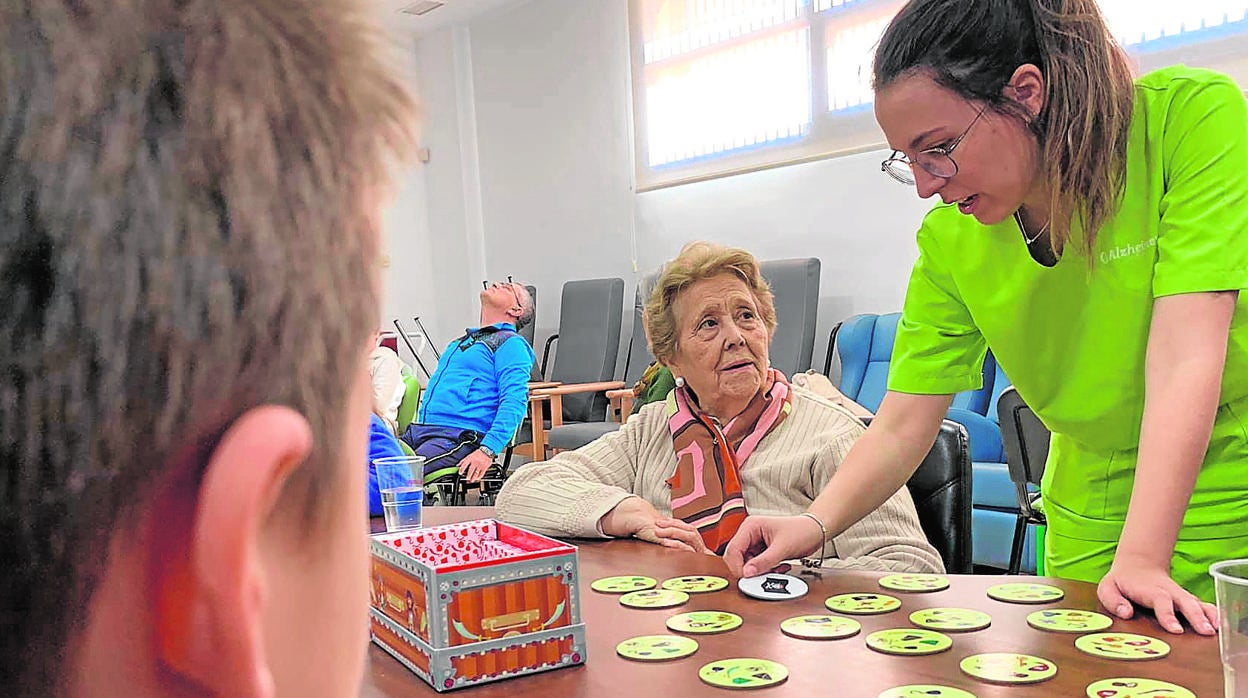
{"x":478,"y":601}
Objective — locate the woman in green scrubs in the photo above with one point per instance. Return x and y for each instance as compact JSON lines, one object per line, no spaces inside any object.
{"x":1093,"y":232}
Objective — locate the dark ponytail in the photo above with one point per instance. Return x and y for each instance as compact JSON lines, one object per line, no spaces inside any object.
{"x":974,"y":47}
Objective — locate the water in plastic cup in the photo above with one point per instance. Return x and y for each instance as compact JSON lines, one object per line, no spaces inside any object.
{"x":1230,"y":580}
{"x":402,"y":507}
{"x":401,"y":482}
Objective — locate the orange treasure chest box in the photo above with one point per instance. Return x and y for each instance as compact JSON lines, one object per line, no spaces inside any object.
{"x":472,"y":602}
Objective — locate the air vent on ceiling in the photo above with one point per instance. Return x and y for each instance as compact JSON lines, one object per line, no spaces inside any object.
{"x":421,"y":7}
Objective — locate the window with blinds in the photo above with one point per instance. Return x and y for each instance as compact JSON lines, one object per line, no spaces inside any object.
{"x":728,"y":86}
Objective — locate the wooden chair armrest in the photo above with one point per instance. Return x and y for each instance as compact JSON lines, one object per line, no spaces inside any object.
{"x":538,"y":450}
{"x":575,"y":388}
{"x":556,"y":410}
{"x":542,"y":385}
{"x":625,"y":403}
{"x":535,"y":410}
{"x":619,"y":393}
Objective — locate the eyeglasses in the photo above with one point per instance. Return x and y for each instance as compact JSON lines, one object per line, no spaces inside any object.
{"x":510,"y":284}
{"x":937,"y":161}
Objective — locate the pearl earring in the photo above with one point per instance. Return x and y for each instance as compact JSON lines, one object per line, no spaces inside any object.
{"x":680,"y":382}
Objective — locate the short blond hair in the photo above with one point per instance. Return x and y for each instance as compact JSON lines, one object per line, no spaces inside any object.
{"x":696,"y":262}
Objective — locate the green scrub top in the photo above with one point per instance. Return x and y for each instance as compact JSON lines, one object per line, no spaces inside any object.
{"x":1072,"y":338}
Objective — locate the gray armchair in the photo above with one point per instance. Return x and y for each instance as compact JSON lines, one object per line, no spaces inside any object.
{"x":585,"y":352}
{"x":795,"y":284}
{"x":571,"y":436}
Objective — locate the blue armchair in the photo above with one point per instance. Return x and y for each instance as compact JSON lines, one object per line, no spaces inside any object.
{"x":864,"y":344}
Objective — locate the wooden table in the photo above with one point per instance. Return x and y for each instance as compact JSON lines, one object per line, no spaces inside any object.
{"x":818,"y":668}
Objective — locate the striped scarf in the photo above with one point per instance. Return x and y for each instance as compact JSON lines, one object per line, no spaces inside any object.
{"x":706,"y":487}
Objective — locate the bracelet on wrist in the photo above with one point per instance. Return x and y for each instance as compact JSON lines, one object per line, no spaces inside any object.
{"x":816,"y":561}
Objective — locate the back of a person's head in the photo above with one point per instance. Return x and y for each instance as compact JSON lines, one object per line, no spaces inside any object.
{"x":188,"y":203}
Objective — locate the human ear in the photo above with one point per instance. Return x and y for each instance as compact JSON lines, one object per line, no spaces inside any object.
{"x":210,"y":584}
{"x":1027,"y":88}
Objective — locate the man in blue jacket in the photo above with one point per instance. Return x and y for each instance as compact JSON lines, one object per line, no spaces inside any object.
{"x":479,"y":393}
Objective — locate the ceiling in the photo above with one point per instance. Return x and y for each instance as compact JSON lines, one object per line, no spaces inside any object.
{"x":451,"y":13}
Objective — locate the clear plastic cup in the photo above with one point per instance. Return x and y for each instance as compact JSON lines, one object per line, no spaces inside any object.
{"x":401,"y":480}
{"x":1230,"y":581}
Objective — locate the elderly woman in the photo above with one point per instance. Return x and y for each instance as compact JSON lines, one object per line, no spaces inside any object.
{"x":733,"y":437}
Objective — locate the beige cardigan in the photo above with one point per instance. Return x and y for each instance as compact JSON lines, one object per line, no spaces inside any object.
{"x":567,"y":495}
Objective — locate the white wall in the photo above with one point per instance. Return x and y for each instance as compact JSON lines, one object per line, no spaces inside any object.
{"x":553,"y":136}
{"x":405,"y":240}
{"x":543,"y":102}
{"x":433,"y":265}
{"x":407,"y":283}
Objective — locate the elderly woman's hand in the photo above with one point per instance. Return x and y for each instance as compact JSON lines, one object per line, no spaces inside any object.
{"x":674,"y":533}
{"x":637,"y":518}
